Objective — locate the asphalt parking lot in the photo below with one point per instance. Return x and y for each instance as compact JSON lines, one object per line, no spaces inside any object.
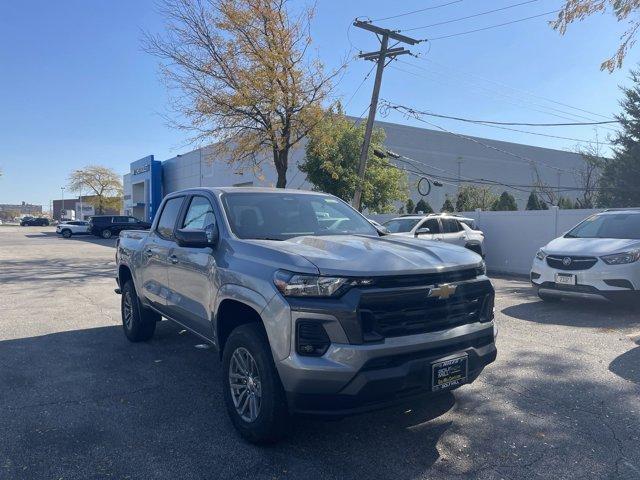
{"x":79,"y":401}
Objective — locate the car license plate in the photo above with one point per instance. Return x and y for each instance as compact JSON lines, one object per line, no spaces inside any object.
{"x":449,"y":373}
{"x":565,"y":279}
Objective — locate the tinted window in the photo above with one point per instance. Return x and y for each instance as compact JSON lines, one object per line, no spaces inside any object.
{"x":618,"y":225}
{"x":398,"y":225}
{"x":101,"y":219}
{"x":432,"y":224}
{"x":132,"y":220}
{"x":449,"y":225}
{"x":199,"y":215}
{"x":280,"y":216}
{"x":120,"y":220}
{"x":168,"y":217}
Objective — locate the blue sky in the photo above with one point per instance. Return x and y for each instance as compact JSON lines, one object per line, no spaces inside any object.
{"x":77,"y":89}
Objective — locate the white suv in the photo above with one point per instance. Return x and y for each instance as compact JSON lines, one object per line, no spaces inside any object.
{"x":440,"y":227}
{"x":74,"y":227}
{"x":597,"y":258}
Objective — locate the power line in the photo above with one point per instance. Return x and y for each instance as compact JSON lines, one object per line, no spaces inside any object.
{"x":442,"y":37}
{"x":517,"y":101}
{"x":490,"y":122}
{"x":516,"y":89}
{"x":416,"y":11}
{"x":360,"y":86}
{"x":469,"y":16}
{"x":530,"y":161}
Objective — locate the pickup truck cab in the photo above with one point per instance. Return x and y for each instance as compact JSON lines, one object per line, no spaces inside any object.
{"x":311,"y":315}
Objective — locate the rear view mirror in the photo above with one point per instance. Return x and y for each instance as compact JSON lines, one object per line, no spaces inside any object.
{"x":198,"y":238}
{"x":422,"y":231}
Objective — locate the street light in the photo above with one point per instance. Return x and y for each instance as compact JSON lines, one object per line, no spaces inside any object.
{"x":62,"y":209}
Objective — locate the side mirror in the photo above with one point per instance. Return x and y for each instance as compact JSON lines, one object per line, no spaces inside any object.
{"x":422,"y":231}
{"x":198,"y":238}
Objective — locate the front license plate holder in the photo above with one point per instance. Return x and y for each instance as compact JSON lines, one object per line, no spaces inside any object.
{"x":449,"y":373}
{"x":565,"y":279}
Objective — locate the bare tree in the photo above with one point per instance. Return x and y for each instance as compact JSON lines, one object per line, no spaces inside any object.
{"x":243,"y":76}
{"x":578,"y":10}
{"x":588,"y":176}
{"x":104,"y":184}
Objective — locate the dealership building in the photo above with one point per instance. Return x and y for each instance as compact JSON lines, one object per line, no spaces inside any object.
{"x":454,"y":159}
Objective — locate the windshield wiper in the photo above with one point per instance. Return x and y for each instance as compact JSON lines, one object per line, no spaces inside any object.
{"x":266,"y":238}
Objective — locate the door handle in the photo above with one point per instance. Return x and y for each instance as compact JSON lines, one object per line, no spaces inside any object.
{"x":173,"y":259}
{"x":148,"y":252}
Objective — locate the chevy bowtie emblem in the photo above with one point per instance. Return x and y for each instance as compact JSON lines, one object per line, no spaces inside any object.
{"x":443,"y":291}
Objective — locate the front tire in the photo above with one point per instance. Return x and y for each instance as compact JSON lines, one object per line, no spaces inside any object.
{"x":252,"y":389}
{"x":66,"y":233}
{"x":106,"y":234}
{"x":138,"y":323}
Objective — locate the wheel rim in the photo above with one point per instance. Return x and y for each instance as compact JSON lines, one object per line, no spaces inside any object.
{"x":127,"y":310}
{"x":245,"y":384}
{"x":106,"y":234}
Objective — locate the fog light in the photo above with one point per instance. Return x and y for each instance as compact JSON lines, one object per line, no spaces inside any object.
{"x":311,"y":338}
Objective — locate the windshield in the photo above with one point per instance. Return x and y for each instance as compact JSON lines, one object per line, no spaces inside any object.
{"x":398,"y":225}
{"x":280,"y":216}
{"x":619,"y":225}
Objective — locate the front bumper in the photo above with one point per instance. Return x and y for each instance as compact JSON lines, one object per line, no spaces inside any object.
{"x":611,"y":282}
{"x":350,"y":379}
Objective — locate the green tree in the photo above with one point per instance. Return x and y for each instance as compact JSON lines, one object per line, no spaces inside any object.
{"x":410,"y":206}
{"x":471,"y":197}
{"x":423,"y":206}
{"x":401,"y":210}
{"x":506,"y":202}
{"x":331,"y":163}
{"x":447,"y":206}
{"x":534,"y":202}
{"x":620,"y":180}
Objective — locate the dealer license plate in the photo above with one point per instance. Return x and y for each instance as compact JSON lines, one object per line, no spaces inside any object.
{"x":449,"y":373}
{"x":565,"y":279}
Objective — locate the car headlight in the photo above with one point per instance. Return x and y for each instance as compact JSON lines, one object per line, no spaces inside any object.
{"x":622,"y":258}
{"x":303,"y":285}
{"x":541,"y":255}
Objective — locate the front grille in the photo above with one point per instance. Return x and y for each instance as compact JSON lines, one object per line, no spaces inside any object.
{"x":571,"y":263}
{"x":427,"y":279}
{"x":410,"y":311}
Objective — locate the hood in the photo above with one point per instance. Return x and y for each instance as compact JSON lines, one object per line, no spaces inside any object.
{"x":589,"y":246}
{"x":355,"y":255}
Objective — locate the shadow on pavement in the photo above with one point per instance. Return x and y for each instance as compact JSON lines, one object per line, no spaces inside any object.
{"x":574,"y":313}
{"x":111,"y":242}
{"x":87,"y":403}
{"x":55,"y":270}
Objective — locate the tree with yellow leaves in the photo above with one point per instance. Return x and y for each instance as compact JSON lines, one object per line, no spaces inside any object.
{"x":243,"y":77}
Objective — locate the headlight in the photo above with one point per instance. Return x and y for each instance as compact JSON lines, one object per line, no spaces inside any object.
{"x":622,"y":258}
{"x":541,"y":255}
{"x":302,"y":285}
{"x":482,"y":269}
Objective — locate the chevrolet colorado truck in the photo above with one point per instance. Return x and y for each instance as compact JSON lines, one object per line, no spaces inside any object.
{"x":312,"y":309}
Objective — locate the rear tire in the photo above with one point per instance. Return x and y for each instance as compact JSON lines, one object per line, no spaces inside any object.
{"x":106,"y":234}
{"x":251,"y":386}
{"x":66,"y":233}
{"x":138,"y":323}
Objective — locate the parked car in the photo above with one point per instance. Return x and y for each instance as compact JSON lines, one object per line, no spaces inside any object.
{"x":439,"y":227}
{"x":34,"y":222}
{"x":73,"y":227}
{"x":106,"y":226}
{"x":309,"y":317}
{"x":598,"y":258}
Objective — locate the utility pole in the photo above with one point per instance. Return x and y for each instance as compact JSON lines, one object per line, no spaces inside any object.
{"x":380,"y":57}
{"x":62,"y":214}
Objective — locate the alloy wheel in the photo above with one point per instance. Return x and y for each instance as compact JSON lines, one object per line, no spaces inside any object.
{"x":245,"y":384}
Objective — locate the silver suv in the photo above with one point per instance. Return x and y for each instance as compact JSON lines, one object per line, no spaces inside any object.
{"x":312,"y":309}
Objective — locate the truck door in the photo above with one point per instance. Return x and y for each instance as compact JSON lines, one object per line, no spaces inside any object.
{"x":155,"y":256}
{"x":192,"y":272}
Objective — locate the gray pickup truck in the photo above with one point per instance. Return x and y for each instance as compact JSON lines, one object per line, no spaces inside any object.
{"x":313,"y":309}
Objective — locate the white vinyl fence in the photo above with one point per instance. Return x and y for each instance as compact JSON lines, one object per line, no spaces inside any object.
{"x":513,"y":238}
